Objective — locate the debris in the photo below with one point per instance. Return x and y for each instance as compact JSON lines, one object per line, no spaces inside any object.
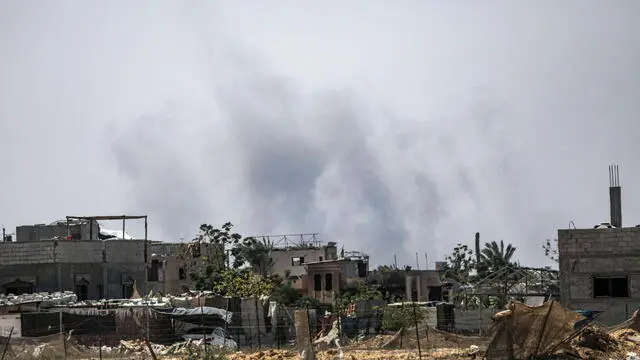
{"x":596,"y":339}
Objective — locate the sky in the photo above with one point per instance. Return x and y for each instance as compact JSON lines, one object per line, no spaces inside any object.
{"x":389,"y":127}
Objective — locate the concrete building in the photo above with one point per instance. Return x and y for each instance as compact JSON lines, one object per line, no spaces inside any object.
{"x":327,"y":279}
{"x":289,"y":261}
{"x":39,"y":262}
{"x":600,"y":267}
{"x":412,"y":285}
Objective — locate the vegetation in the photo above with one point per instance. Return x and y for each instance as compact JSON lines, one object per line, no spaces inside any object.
{"x":395,"y":318}
{"x":493,"y":257}
{"x":285,"y":294}
{"x":217,"y":273}
{"x":358,"y":292}
{"x":459,"y":264}
{"x":551,"y":249}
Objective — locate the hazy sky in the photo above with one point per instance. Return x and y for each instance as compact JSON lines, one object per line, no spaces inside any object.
{"x":389,"y":126}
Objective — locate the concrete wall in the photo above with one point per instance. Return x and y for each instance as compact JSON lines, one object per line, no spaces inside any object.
{"x":42,"y":232}
{"x":9,"y":322}
{"x":282,"y":259}
{"x":477,"y":320}
{"x":107,"y":266}
{"x":585,"y":253}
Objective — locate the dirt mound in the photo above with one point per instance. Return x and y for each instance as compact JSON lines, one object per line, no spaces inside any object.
{"x":429,"y":338}
{"x":439,"y":354}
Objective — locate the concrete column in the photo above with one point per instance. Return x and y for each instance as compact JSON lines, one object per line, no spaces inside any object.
{"x":418,"y":294}
{"x":408,"y":287}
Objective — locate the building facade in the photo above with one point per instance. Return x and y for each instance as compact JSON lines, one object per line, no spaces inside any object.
{"x":289,"y":262}
{"x":327,"y":279}
{"x":92,"y":268}
{"x":600,"y":270}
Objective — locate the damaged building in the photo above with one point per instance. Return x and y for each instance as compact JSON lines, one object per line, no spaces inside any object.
{"x":600,"y":266}
{"x":77,"y":254}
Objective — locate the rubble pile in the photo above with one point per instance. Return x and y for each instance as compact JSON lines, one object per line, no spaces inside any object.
{"x":596,"y":343}
{"x":357,"y":355}
{"x":45,"y":299}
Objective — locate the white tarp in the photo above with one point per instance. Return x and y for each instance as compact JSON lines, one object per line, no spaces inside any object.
{"x":117,"y":234}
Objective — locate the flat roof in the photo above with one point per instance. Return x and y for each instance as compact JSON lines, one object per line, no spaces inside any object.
{"x":108,"y":217}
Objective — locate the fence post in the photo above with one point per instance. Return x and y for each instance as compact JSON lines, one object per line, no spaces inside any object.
{"x":146,"y":312}
{"x":303,"y":339}
{"x":226,"y":323}
{"x":63,"y":338}
{"x":100,"y":333}
{"x":415,"y":318}
{"x":204,"y":331}
{"x":255,"y":299}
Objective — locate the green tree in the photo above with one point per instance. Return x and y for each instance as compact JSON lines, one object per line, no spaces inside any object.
{"x":240,"y":283}
{"x":223,"y":237}
{"x":395,"y":318}
{"x":496,"y":256}
{"x":285,"y":294}
{"x":459,"y":264}
{"x":215,"y":272}
{"x":255,"y":253}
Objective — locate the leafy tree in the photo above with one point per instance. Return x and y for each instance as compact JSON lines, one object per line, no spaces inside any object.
{"x":459,"y":264}
{"x":496,"y":257}
{"x":223,"y":237}
{"x":285,"y":294}
{"x":395,"y":318}
{"x":256,"y":253}
{"x":551,"y":249}
{"x":307,"y":302}
{"x":216,"y":273}
{"x":240,"y":283}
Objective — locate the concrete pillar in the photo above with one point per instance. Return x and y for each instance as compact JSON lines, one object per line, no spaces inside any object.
{"x":408,"y":287}
{"x":418,"y":283}
{"x":301,"y":319}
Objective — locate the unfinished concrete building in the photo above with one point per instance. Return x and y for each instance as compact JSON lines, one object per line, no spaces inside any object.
{"x":290,"y":254}
{"x":327,"y":279}
{"x":71,"y":256}
{"x":600,"y":267}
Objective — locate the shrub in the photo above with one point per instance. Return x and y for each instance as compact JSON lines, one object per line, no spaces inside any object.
{"x":396,"y":317}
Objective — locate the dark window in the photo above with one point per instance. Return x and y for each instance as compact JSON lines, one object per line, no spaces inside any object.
{"x":320,"y":258}
{"x":297,"y":261}
{"x":127,"y":291}
{"x":182,"y":275}
{"x":317,"y":282}
{"x":362,"y":269}
{"x":152,"y":273}
{"x":82,"y":291}
{"x":328,"y":282}
{"x":615,"y":286}
{"x":100,"y":292}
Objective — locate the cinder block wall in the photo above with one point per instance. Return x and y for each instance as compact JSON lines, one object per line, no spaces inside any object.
{"x":584,"y":253}
{"x":53,"y":265}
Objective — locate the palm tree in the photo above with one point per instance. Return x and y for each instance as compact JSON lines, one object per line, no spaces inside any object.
{"x":495,"y":257}
{"x":256,"y":253}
